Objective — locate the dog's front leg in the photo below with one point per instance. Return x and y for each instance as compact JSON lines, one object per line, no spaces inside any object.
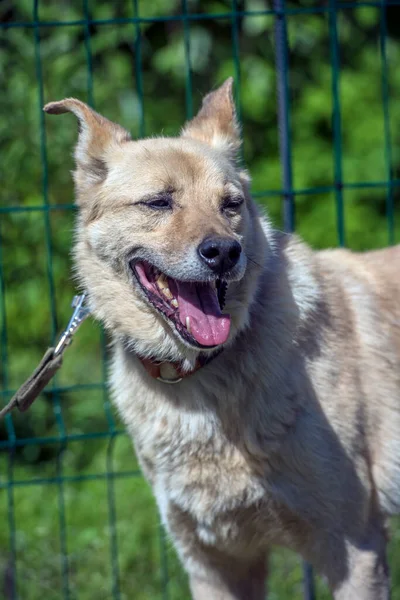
{"x":368,"y":576}
{"x":230,"y":581}
{"x":364,"y":570}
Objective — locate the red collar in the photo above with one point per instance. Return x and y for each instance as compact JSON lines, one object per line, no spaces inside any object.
{"x":171,"y":372}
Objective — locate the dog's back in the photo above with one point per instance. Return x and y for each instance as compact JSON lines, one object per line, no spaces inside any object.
{"x":363,"y":295}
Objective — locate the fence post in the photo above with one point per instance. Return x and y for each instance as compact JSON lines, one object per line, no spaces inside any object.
{"x":282,"y":86}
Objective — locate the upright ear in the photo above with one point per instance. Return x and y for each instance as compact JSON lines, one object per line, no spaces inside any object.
{"x":97,"y":137}
{"x":216,"y":123}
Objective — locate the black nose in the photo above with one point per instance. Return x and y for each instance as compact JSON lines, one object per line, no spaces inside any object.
{"x":220,"y":254}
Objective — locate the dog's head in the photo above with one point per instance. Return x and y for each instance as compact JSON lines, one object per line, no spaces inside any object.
{"x":164,"y":225}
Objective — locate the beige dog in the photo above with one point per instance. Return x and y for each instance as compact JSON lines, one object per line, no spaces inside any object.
{"x":283,"y":423}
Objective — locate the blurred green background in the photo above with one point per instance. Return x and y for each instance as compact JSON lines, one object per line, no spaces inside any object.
{"x":76,"y":515}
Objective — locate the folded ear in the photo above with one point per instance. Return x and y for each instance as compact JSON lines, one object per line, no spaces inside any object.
{"x":216,"y":123}
{"x":97,"y":136}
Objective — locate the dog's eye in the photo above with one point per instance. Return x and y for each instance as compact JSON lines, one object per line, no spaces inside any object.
{"x":162,"y":202}
{"x":232,"y":203}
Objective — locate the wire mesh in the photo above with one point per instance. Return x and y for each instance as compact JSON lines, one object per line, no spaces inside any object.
{"x":63,"y":436}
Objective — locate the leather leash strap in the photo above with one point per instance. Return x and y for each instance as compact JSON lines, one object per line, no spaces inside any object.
{"x":50,"y":363}
{"x":35,"y":384}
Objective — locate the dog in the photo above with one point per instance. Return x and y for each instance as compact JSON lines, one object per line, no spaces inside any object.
{"x":259,"y":380}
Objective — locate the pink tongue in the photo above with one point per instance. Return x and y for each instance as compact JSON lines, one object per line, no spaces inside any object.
{"x":199,"y":302}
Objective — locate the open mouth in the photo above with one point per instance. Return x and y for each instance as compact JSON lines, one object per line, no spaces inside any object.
{"x":195,"y":308}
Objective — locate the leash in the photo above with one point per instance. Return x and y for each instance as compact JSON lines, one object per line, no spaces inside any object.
{"x":50,"y":363}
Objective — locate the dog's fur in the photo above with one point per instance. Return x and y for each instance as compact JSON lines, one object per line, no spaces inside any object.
{"x":291,"y":435}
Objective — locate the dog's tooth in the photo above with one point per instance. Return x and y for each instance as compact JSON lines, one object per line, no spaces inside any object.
{"x":162,"y":282}
{"x":174,"y":303}
{"x":188,"y":327}
{"x":167,"y":293}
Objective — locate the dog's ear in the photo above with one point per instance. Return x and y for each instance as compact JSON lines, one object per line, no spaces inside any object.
{"x":216,"y":123}
{"x":97,"y":137}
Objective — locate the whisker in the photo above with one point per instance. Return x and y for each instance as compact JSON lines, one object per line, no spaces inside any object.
{"x":254,"y":262}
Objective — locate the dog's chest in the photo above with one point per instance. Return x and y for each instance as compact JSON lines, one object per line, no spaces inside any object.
{"x":207,"y":456}
{"x":204,"y":483}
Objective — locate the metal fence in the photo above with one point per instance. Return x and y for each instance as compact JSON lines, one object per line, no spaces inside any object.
{"x":15,"y":439}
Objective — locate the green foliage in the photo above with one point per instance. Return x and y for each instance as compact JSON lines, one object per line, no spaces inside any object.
{"x":136,"y":74}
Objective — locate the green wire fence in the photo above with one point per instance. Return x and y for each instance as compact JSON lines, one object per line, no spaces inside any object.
{"x":38,"y":450}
